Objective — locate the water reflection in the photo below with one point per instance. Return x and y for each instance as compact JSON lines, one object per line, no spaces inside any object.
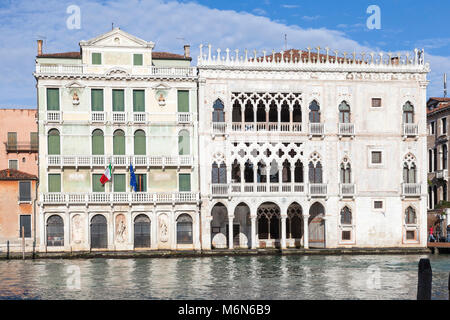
{"x":261,"y":277}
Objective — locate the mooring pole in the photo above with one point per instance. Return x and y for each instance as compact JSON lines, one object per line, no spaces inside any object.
{"x":425,"y":278}
{"x":7,"y":249}
{"x":449,"y":286}
{"x":34,"y":248}
{"x":23,"y":243}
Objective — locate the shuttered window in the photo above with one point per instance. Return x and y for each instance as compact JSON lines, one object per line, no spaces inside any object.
{"x":118,"y":100}
{"x":25,"y":224}
{"x":119,"y":183}
{"x":119,"y":143}
{"x":34,"y":140}
{"x":53,"y":99}
{"x":139,"y":143}
{"x":98,"y":147}
{"x":184,"y":182}
{"x":53,"y":142}
{"x":183,"y":101}
{"x":137,"y":59}
{"x":96,"y":58}
{"x":54,"y":182}
{"x":138,"y":100}
{"x":97,"y":99}
{"x":96,"y":184}
{"x":12,"y":140}
{"x":13,"y":164}
{"x":24,"y":191}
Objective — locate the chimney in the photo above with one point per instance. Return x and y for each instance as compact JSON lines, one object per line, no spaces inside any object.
{"x":39,"y":47}
{"x":187,"y":51}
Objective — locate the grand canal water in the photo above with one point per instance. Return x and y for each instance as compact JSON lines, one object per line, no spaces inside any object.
{"x":259,"y":277}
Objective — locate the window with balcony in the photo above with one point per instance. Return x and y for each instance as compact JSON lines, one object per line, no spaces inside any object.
{"x":261,"y":172}
{"x":184,"y":182}
{"x":408,"y":113}
{"x":119,"y":142}
{"x":346,"y":173}
{"x":34,"y":141}
{"x":98,"y":145}
{"x":314,"y":112}
{"x":444,"y":157}
{"x":346,"y":216}
{"x":183,"y":100}
{"x":344,"y":112}
{"x":53,"y":142}
{"x":273,"y":172}
{"x":236,"y":114}
{"x":184,"y":143}
{"x":52,"y":99}
{"x":97,"y":100}
{"x":119,"y":183}
{"x":249,"y":115}
{"x":139,"y":143}
{"x":12,"y":141}
{"x":139,"y":100}
{"x":298,"y":172}
{"x":24,"y":191}
{"x":97,"y":186}
{"x":236,"y":172}
{"x":409,"y":172}
{"x":297,"y":113}
{"x":54,"y":182}
{"x":218,"y":114}
{"x":141,"y":182}
{"x":286,"y":173}
{"x":249,"y":172}
{"x":137,"y":59}
{"x":315,"y":172}
{"x":219,"y":173}
{"x":118,"y":97}
{"x":96,"y":58}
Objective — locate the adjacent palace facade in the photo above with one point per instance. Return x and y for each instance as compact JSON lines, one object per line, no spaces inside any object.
{"x":295,"y":149}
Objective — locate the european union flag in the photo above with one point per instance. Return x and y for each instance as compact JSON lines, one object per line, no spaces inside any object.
{"x":132,"y":178}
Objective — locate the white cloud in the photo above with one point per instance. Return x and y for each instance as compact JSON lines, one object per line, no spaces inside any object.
{"x":161,"y":22}
{"x":310,"y":18}
{"x":290,"y":6}
{"x":259,"y":11}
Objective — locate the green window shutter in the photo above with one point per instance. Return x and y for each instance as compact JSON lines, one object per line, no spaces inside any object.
{"x":97,"y":99}
{"x":53,"y":142}
{"x":118,"y":100}
{"x":12,"y":140}
{"x":34,"y":140}
{"x":183,"y":101}
{"x":184,"y":182}
{"x":139,"y":143}
{"x":53,"y":99}
{"x":96,"y":58}
{"x":138,"y":100}
{"x":98,"y":146}
{"x":184,"y":143}
{"x":96,"y":184}
{"x":119,"y":143}
{"x":137,"y":59}
{"x":119,"y":183}
{"x":54,"y":183}
{"x":141,"y":181}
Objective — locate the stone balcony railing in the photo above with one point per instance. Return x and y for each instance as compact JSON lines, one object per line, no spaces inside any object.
{"x":411,"y":189}
{"x":410,"y":130}
{"x":316,"y":129}
{"x":347,"y":190}
{"x":346,"y":129}
{"x":442,"y":174}
{"x":318,"y":189}
{"x":266,"y":126}
{"x":223,"y":189}
{"x":112,"y":198}
{"x":62,"y":161}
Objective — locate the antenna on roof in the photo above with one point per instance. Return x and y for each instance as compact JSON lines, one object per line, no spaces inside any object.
{"x":445,"y":85}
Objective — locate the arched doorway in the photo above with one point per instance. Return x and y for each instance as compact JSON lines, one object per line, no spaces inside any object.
{"x":242,"y":226}
{"x":184,"y":229}
{"x":269,"y":229}
{"x":219,"y":235}
{"x":294,"y":225}
{"x":99,"y":232}
{"x":316,"y":226}
{"x":142,"y":231}
{"x":55,"y":231}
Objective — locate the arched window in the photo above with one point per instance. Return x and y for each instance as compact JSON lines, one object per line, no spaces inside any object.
{"x":218,"y":111}
{"x":248,"y":113}
{"x":286,"y":172}
{"x":142,"y":231}
{"x":444,"y":156}
{"x":315,"y":172}
{"x":344,"y":112}
{"x":248,"y":172}
{"x":184,"y":143}
{"x":410,"y":216}
{"x":314,"y":112}
{"x":430,"y":160}
{"x":98,"y":145}
{"x":346,"y":173}
{"x":119,"y":142}
{"x":435,"y":196}
{"x":184,"y":229}
{"x":408,"y":113}
{"x":261,"y":112}
{"x":261,"y":173}
{"x":99,"y":232}
{"x":274,"y":174}
{"x":219,"y":173}
{"x":273,"y":112}
{"x":236,"y":172}
{"x":139,"y":143}
{"x":298,"y":172}
{"x":297,"y":113}
{"x":237,"y":112}
{"x":346,"y":216}
{"x":409,"y":173}
{"x":55,"y":231}
{"x":53,"y":142}
{"x":284,"y":113}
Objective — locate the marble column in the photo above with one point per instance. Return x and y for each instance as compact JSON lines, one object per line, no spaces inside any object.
{"x":283,"y":232}
{"x":230,"y":232}
{"x":305,"y":231}
{"x":253,"y":235}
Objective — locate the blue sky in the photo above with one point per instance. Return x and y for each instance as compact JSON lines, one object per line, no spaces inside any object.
{"x":405,"y":24}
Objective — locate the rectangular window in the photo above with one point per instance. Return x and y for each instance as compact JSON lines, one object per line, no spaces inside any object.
{"x":183,"y":101}
{"x":52,"y":99}
{"x":54,"y":182}
{"x":444,"y":125}
{"x":118,"y":97}
{"x":376,"y":102}
{"x":24,"y":191}
{"x":97,"y":186}
{"x":184,"y":182}
{"x":346,"y":235}
{"x":119,"y":183}
{"x":34,"y":140}
{"x":432,"y":127}
{"x":137,"y":59}
{"x":13,"y":164}
{"x":97,"y":99}
{"x":25,"y":226}
{"x":378,"y":204}
{"x":376,"y":157}
{"x":12,"y":140}
{"x":96,"y":58}
{"x":138,"y":100}
{"x":410,"y":235}
{"x":141,"y":183}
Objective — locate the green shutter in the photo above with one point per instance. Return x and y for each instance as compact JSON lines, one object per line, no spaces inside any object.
{"x":139,"y":143}
{"x":97,"y":99}
{"x":119,"y":183}
{"x":54,"y":183}
{"x":34,"y":140}
{"x":119,"y":143}
{"x":52,"y":99}
{"x":12,"y":140}
{"x":53,"y":142}
{"x":138,"y":100}
{"x":183,"y":101}
{"x":96,"y":184}
{"x":184,"y":182}
{"x":96,"y":58}
{"x":118,"y":100}
{"x":98,"y":146}
{"x":137,"y":59}
{"x":183,"y":143}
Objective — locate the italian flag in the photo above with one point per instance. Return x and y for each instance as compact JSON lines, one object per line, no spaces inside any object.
{"x":106,"y":176}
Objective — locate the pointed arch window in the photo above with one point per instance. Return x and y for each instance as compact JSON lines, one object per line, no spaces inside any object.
{"x":284,"y":113}
{"x":219,"y":173}
{"x":346,"y":216}
{"x":274,"y":173}
{"x":315,"y":172}
{"x":346,"y":173}
{"x":237,"y":112}
{"x":297,"y":113}
{"x":218,"y":111}
{"x":298,"y":172}
{"x":249,"y":172}
{"x":344,"y":112}
{"x":286,"y":172}
{"x":314,"y":112}
{"x":248,"y":113}
{"x":261,"y":172}
{"x":409,"y":173}
{"x":273,"y":112}
{"x":408,"y":113}
{"x":444,"y":156}
{"x":410,"y":216}
{"x":236,"y":172}
{"x":261,"y":112}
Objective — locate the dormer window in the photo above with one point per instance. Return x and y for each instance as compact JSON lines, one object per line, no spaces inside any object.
{"x":137,"y":59}
{"x":96,"y":58}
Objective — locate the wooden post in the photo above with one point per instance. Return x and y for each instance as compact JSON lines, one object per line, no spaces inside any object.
{"x":23,"y":242}
{"x":424,"y":281}
{"x":34,"y":249}
{"x":7,"y":249}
